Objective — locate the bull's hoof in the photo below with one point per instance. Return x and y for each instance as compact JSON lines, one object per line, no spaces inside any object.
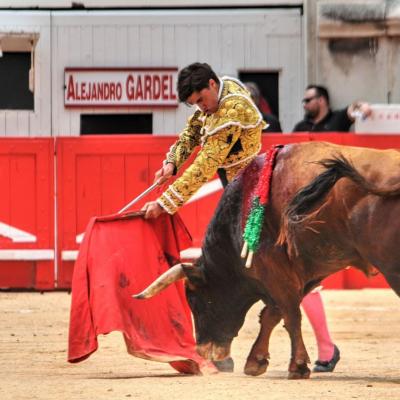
{"x":226,"y":365}
{"x":256,"y":367}
{"x":301,"y":372}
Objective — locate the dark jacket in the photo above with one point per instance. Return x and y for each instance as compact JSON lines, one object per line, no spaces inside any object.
{"x":334,"y":121}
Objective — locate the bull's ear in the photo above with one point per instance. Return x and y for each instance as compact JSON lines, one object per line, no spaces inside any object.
{"x":195,"y":275}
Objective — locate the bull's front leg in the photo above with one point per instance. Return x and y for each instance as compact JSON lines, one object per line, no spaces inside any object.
{"x":258,"y":359}
{"x":298,"y":368}
{"x":284,"y":287}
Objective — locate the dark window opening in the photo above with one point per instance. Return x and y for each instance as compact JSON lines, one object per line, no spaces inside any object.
{"x":268,"y":83}
{"x":353,"y":45}
{"x":108,"y":124}
{"x":14,"y":81}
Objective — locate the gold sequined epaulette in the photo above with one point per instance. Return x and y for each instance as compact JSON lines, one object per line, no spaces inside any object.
{"x":234,"y":109}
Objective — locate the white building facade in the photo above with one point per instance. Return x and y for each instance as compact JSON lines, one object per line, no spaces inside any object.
{"x":263,"y":41}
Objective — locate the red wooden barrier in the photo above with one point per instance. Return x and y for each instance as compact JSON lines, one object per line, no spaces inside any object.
{"x":98,"y":176}
{"x":26,"y":213}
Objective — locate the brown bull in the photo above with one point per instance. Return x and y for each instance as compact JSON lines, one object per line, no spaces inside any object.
{"x":316,"y":224}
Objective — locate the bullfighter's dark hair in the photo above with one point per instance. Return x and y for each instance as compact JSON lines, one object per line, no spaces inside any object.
{"x":193,"y":78}
{"x":321,"y":91}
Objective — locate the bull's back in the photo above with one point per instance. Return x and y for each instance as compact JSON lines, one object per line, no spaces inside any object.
{"x":297,"y":165}
{"x":345,"y":227}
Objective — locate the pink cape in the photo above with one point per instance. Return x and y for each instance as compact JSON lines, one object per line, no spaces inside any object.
{"x":119,"y":257}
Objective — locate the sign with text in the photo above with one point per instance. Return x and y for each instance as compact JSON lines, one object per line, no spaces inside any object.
{"x":120,"y":87}
{"x":384,"y":119}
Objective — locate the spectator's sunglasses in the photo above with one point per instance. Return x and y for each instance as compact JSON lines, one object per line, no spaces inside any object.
{"x":306,"y":100}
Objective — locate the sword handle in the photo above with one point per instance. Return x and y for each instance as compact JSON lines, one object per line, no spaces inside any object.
{"x":136,"y":199}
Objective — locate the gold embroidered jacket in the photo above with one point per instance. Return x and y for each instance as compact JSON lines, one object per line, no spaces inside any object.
{"x":230,"y":138}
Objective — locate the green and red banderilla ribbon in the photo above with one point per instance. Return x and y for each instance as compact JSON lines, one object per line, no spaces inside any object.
{"x":255,"y":219}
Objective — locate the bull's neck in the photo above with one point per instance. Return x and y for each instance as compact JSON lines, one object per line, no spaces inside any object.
{"x":223,"y":240}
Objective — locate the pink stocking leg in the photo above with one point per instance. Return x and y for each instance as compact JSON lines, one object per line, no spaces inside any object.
{"x":314,"y":309}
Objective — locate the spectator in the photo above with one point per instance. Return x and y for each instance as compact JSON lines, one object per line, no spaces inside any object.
{"x":318,"y":116}
{"x":273,"y":122}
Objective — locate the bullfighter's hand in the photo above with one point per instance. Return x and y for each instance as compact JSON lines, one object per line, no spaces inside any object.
{"x":152,"y":209}
{"x":164,"y":173}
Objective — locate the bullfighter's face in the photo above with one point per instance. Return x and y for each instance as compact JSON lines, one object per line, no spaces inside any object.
{"x":206,"y":99}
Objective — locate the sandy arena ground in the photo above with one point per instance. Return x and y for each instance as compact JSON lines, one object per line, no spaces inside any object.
{"x":365,"y":325}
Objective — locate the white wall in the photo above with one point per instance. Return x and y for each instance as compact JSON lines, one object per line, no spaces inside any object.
{"x":142,"y":3}
{"x":36,"y":122}
{"x":229,"y":40}
{"x":361,"y":75}
{"x":370,"y":74}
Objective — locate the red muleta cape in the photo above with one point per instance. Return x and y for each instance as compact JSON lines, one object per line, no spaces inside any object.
{"x":120,"y":256}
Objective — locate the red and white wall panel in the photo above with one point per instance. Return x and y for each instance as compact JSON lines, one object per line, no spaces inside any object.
{"x":100,"y":175}
{"x":42,"y":223}
{"x":27,"y":213}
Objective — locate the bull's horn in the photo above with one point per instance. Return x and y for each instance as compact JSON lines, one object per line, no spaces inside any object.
{"x":162,"y":282}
